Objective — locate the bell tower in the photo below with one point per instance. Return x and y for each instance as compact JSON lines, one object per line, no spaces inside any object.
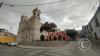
{"x":36,"y":23}
{"x":36,"y":12}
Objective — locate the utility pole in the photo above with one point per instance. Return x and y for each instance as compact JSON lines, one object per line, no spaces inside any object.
{"x":11,"y":29}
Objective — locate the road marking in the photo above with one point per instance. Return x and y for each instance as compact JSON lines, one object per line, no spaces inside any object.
{"x":61,"y":52}
{"x":52,"y":54}
{"x":33,"y":53}
{"x":84,"y":44}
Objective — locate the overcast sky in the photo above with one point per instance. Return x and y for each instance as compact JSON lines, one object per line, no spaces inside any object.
{"x":75,"y":13}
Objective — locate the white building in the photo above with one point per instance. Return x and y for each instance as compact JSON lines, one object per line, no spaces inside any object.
{"x":93,"y":28}
{"x":29,"y":28}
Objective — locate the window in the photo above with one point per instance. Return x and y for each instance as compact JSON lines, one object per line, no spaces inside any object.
{"x":96,"y":22}
{"x":34,"y":13}
{"x":95,"y":34}
{"x":38,"y":14}
{"x":91,"y":27}
{"x":91,"y":34}
{"x":87,"y":30}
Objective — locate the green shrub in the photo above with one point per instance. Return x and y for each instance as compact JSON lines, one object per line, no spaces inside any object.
{"x":42,"y":37}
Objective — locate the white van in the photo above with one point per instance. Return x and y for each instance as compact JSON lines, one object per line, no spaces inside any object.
{"x":12,"y":44}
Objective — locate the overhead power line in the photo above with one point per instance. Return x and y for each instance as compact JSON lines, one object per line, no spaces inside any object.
{"x":68,"y":7}
{"x":36,"y":4}
{"x":52,"y":3}
{"x":73,"y":6}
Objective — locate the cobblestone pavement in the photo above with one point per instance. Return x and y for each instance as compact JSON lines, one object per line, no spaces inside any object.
{"x":70,"y":49}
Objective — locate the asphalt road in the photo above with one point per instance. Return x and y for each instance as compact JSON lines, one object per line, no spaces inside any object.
{"x":70,"y":49}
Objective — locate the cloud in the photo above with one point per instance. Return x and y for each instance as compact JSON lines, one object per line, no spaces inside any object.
{"x":73,"y":17}
{"x":46,"y":18}
{"x":9,"y":19}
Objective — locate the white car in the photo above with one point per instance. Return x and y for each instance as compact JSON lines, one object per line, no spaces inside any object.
{"x":12,"y":44}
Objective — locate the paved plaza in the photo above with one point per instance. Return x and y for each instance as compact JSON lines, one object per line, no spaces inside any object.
{"x":70,"y":49}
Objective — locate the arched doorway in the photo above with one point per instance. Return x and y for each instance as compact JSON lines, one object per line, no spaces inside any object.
{"x":59,"y":38}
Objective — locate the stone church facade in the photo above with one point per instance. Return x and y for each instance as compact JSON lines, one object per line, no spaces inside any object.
{"x":29,"y":28}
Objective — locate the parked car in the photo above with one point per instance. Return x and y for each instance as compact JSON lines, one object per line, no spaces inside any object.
{"x":12,"y":44}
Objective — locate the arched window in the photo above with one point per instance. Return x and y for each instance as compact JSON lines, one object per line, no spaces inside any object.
{"x":38,"y":14}
{"x":34,"y":13}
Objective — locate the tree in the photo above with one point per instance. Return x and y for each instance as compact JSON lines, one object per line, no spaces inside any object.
{"x":42,"y":38}
{"x":72,"y":33}
{"x":47,"y":26}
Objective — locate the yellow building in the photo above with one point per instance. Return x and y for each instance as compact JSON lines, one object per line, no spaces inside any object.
{"x":6,"y":37}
